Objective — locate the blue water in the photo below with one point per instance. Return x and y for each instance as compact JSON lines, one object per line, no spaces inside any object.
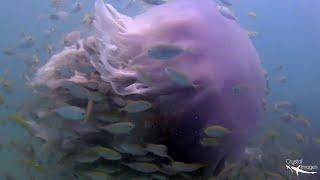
{"x":289,"y":35}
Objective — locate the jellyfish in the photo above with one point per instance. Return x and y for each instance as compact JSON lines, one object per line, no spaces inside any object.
{"x":216,"y":54}
{"x":195,"y":40}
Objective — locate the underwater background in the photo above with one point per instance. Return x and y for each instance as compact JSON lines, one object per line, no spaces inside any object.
{"x":285,"y":34}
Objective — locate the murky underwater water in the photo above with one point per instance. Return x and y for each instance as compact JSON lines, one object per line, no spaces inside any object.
{"x":83,"y":120}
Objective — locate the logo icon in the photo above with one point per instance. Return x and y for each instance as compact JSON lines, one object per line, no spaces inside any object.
{"x":295,"y":166}
{"x":299,"y":170}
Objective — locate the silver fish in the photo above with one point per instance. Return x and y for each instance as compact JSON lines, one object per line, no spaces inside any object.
{"x":136,"y":106}
{"x":178,"y":77}
{"x":26,"y":42}
{"x":155,"y":2}
{"x":216,"y":131}
{"x":119,"y":128}
{"x":164,"y":52}
{"x":144,"y":167}
{"x":71,"y":112}
{"x":226,"y":12}
{"x":77,"y":7}
{"x":107,"y":153}
{"x":133,"y":149}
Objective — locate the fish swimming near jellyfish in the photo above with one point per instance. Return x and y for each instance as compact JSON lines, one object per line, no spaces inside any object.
{"x":210,"y":51}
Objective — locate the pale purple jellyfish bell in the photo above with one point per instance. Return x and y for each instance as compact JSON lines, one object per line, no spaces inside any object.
{"x":160,"y":51}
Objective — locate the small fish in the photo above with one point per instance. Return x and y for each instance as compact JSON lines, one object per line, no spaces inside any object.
{"x":2,"y":100}
{"x":252,"y":34}
{"x":317,"y":140}
{"x":226,"y":2}
{"x":27,"y":151}
{"x":227,"y":13}
{"x":35,"y":60}
{"x":48,"y":48}
{"x":282,"y":79}
{"x":25,"y":76}
{"x":92,"y":85}
{"x":8,"y":52}
{"x":277,"y":106}
{"x":158,"y":149}
{"x":272,"y":135}
{"x":164,"y":52}
{"x":48,"y":135}
{"x":295,"y":153}
{"x":49,"y":32}
{"x":144,"y":167}
{"x":19,"y":120}
{"x":59,"y":3}
{"x":133,"y":149}
{"x":87,"y":20}
{"x":8,"y":176}
{"x":76,"y":90}
{"x":136,"y":106}
{"x":89,"y":109}
{"x":287,"y":117}
{"x":35,"y":165}
{"x":299,"y":137}
{"x":119,"y":101}
{"x":53,"y":29}
{"x":119,"y":128}
{"x":87,"y":157}
{"x":155,"y":2}
{"x":109,"y":168}
{"x":146,"y":158}
{"x":97,"y":175}
{"x":229,"y":167}
{"x":253,"y":153}
{"x":77,"y":7}
{"x":144,"y":77}
{"x":107,"y":153}
{"x":178,"y":78}
{"x":216,"y":131}
{"x":186,"y":167}
{"x":83,"y":128}
{"x":167,"y":169}
{"x":86,"y":69}
{"x":109,"y":118}
{"x":64,"y":72}
{"x":299,"y":117}
{"x":240,"y":89}
{"x":59,"y":15}
{"x":210,"y":141}
{"x":70,"y":112}
{"x":252,"y":14}
{"x":26,"y":42}
{"x":96,"y":97}
{"x":71,"y":38}
{"x":90,"y":46}
{"x":5,"y":84}
{"x":32,"y":60}
{"x":278,"y":67}
{"x":159,"y":177}
{"x":306,"y":122}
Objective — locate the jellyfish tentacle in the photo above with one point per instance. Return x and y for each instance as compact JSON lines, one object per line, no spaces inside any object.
{"x":111,"y":31}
